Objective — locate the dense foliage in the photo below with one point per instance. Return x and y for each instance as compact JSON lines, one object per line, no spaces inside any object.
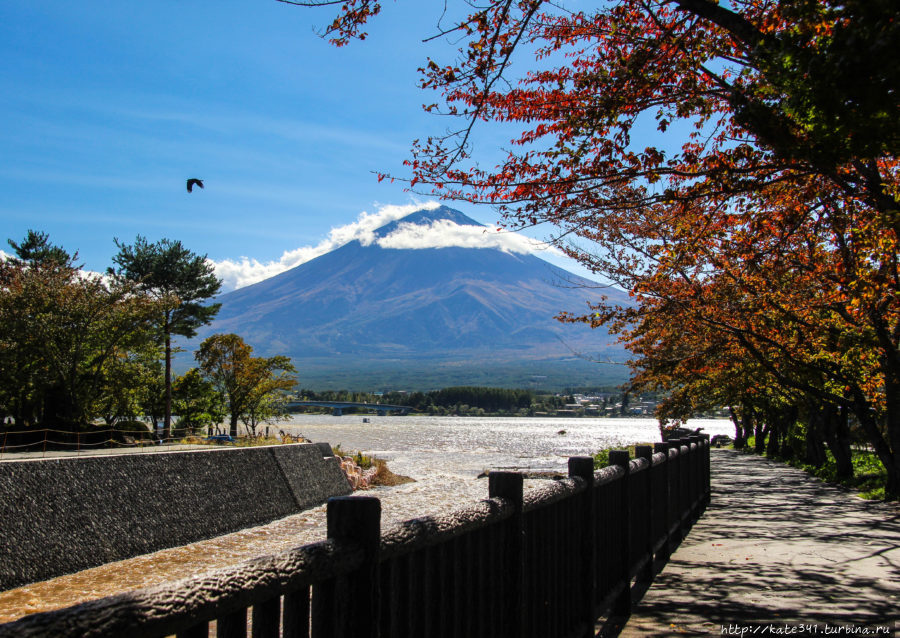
{"x":488,"y":399}
{"x":757,"y":229}
{"x":77,"y":347}
{"x":73,"y":346}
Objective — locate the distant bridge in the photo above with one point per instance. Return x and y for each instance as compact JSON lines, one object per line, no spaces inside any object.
{"x":338,"y":407}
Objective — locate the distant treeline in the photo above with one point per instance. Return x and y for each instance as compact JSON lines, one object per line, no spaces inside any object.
{"x":488,"y":399}
{"x":454,"y":400}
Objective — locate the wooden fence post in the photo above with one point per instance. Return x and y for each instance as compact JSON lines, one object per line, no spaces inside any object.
{"x":675,"y":493}
{"x":586,"y":587}
{"x":707,"y":490}
{"x":508,"y":485}
{"x":353,"y":607}
{"x":691,"y":471}
{"x":684,"y":485}
{"x":696,"y":476}
{"x":665,"y":503}
{"x":266,"y":618}
{"x":646,"y":452}
{"x":622,"y":518}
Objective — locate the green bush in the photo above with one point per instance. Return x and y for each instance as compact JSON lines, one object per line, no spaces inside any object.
{"x":601,"y":457}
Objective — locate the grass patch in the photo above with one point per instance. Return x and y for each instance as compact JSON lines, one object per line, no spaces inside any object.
{"x":383,"y":475}
{"x":869,"y":476}
{"x":385,"y":478}
{"x":363,"y":460}
{"x":249,"y":441}
{"x":241,"y":441}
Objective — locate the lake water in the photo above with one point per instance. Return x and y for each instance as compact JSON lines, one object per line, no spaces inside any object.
{"x":443,"y":454}
{"x":422,"y":447}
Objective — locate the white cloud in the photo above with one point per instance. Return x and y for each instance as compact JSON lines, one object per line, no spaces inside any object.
{"x":363,"y":229}
{"x":444,"y":233}
{"x":245,"y":271}
{"x":438,"y":234}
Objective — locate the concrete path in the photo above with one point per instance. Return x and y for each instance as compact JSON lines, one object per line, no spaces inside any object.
{"x":778,"y":553}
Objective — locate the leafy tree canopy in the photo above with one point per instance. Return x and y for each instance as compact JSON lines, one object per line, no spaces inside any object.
{"x":167,"y":269}
{"x":170,"y":272}
{"x":249,"y":384}
{"x":763,"y":220}
{"x":65,"y":336}
{"x":36,"y":249}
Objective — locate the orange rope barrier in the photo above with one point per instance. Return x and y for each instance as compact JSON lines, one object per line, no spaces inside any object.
{"x":50,"y":444}
{"x":12,"y":447}
{"x":146,"y":441}
{"x":147,"y":431}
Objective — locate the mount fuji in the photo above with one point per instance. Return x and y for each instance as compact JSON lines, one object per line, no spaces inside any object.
{"x":366,"y":316}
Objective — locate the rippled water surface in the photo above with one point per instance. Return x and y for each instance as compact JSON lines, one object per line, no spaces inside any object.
{"x":443,"y":454}
{"x":465,"y":446}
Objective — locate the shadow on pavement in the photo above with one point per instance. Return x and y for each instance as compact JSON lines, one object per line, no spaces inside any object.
{"x":777,"y":547}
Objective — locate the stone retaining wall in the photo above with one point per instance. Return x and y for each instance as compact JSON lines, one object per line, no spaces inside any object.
{"x":59,"y":516}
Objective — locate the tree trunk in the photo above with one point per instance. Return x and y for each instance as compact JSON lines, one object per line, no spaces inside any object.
{"x":787,"y":421}
{"x":892,"y":417}
{"x":760,"y":429}
{"x":739,"y":440}
{"x":747,"y":421}
{"x":167,"y":419}
{"x":815,"y":445}
{"x":772,"y":446}
{"x":890,"y":458}
{"x":838,"y":438}
{"x":233,"y":429}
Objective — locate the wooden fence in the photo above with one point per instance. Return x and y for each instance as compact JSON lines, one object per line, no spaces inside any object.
{"x":547,"y":564}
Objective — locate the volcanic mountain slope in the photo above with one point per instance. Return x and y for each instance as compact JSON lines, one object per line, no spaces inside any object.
{"x":367,"y":307}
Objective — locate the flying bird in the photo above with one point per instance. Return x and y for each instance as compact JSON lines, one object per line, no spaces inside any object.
{"x":191,"y":182}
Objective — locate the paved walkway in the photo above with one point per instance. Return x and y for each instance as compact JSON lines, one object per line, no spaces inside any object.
{"x":778,"y":553}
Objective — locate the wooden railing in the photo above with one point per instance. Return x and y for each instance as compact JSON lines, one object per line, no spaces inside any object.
{"x":547,"y":563}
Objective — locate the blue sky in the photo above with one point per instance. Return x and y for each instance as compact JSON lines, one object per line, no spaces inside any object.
{"x":107,"y":108}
